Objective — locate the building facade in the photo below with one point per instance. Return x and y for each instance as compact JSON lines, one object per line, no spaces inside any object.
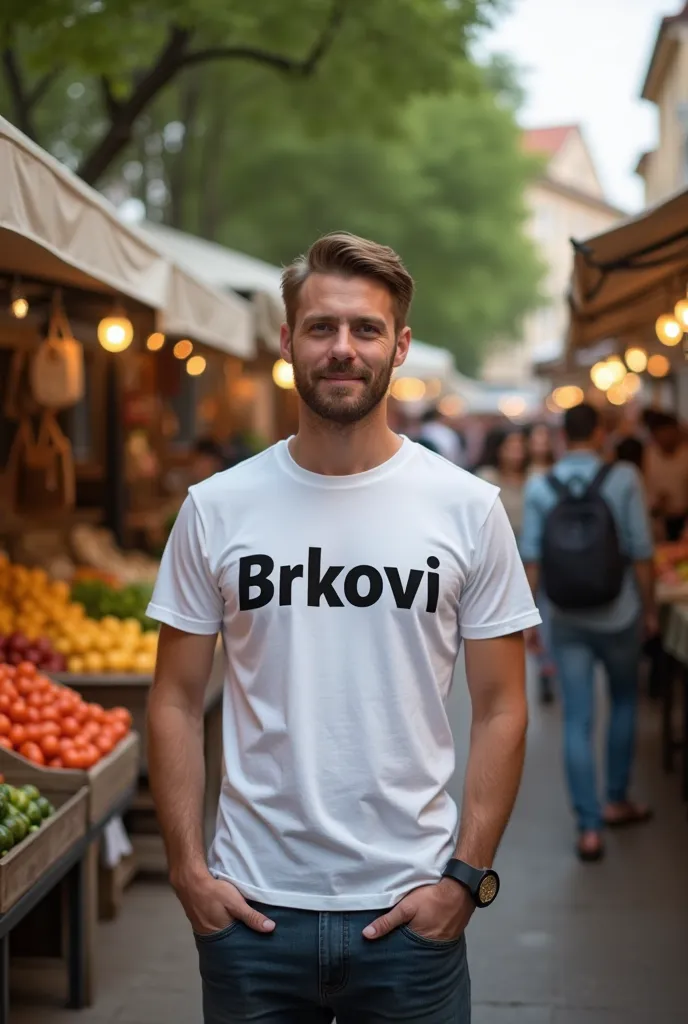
{"x":664,"y":170}
{"x":566,"y":202}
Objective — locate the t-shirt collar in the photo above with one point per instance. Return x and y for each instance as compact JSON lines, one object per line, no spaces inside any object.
{"x":369,"y":476}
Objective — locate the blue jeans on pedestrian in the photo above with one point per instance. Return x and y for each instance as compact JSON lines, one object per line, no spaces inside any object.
{"x":316,"y":966}
{"x":576,"y":650}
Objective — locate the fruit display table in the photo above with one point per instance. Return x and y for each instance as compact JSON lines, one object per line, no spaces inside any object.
{"x":131,"y":692}
{"x":68,"y":863}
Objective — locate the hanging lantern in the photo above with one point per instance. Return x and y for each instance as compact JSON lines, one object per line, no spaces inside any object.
{"x":283,"y":374}
{"x":19,"y":304}
{"x":116,"y":332}
{"x":669,"y":330}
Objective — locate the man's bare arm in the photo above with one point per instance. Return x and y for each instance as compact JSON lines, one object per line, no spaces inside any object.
{"x":176,"y":769}
{"x":176,"y":763}
{"x":495,"y":671}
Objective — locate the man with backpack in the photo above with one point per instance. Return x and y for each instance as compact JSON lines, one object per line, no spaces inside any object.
{"x":587,"y":542}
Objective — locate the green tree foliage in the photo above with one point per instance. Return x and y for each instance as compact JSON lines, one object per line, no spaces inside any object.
{"x":359,"y":56}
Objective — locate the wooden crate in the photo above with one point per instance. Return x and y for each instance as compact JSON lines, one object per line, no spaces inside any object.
{"x":131,"y":692}
{"x":105,"y":782}
{"x":22,"y":867}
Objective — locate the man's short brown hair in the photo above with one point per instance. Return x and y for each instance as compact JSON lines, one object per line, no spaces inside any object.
{"x":350,"y":256}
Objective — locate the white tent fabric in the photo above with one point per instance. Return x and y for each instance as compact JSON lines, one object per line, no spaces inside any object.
{"x":427,"y":362}
{"x":224,"y":268}
{"x":54,"y":227}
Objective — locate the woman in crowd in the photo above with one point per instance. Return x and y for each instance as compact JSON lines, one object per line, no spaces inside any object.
{"x":504,"y":462}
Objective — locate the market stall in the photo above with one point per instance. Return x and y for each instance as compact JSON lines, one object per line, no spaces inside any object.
{"x":104,"y":347}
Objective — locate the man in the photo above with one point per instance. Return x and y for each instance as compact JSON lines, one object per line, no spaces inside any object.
{"x":343,"y":567}
{"x":611,"y":632}
{"x":666,"y":475}
{"x":435,"y":433}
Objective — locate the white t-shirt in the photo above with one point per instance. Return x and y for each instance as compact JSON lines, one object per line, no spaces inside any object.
{"x":342,"y":601}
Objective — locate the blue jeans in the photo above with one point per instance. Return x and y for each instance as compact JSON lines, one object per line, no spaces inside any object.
{"x":575,"y":651}
{"x":316,"y":966}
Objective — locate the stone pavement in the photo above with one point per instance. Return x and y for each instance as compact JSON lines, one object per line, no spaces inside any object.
{"x":565,"y":943}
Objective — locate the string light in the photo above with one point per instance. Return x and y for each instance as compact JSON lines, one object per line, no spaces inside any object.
{"x":183,"y":349}
{"x":115,"y":332}
{"x":283,"y":374}
{"x":155,"y":342}
{"x":195,"y":366}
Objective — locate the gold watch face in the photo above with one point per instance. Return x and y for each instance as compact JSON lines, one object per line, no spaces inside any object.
{"x":487,"y":889}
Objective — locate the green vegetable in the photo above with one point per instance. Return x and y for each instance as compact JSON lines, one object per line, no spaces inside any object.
{"x":45,"y":807}
{"x":31,"y":792}
{"x":34,"y":815}
{"x":100,"y":599}
{"x":20,"y":800}
{"x":18,"y":825}
{"x":6,"y":839}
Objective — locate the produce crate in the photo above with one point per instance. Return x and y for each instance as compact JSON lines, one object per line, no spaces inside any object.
{"x":22,"y":867}
{"x":131,"y":692}
{"x":104,"y":783}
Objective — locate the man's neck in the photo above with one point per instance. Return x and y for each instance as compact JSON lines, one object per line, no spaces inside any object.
{"x":334,"y":449}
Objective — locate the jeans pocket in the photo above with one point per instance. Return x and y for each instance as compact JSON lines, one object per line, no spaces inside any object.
{"x":423,"y":940}
{"x":216,"y":936}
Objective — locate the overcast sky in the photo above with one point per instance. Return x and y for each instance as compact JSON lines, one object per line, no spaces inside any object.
{"x":584,"y":62}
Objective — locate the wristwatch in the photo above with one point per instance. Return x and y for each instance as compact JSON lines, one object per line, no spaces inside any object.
{"x":482,"y":883}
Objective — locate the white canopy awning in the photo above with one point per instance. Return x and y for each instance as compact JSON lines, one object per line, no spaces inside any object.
{"x":53,"y":227}
{"x":224,"y":268}
{"x":426,"y":362}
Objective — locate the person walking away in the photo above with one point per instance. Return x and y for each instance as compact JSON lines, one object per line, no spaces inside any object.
{"x":437,"y":435}
{"x":666,"y":475}
{"x":504,"y":463}
{"x":343,"y":568}
{"x":541,"y":459}
{"x":586,"y":539}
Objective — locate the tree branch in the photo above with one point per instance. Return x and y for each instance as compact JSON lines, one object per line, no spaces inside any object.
{"x":111,"y":104}
{"x":21,"y":102}
{"x":278,"y":61}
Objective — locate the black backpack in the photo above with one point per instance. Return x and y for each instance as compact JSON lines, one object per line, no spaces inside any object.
{"x":582,"y":563}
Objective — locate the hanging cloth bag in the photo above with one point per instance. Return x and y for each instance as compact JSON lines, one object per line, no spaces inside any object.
{"x":41,"y":468}
{"x":57,"y":368}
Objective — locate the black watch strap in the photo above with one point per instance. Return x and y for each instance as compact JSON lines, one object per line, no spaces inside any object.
{"x":482,"y":883}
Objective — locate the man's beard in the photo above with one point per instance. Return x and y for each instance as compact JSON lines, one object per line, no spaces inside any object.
{"x":336,"y":405}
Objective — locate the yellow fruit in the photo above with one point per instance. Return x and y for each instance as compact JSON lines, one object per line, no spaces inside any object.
{"x":59,"y":591}
{"x":63,"y":646}
{"x":110,"y":623}
{"x":149,"y":640}
{"x":132,"y":626}
{"x":94,"y":662}
{"x":76,"y":665}
{"x":116,"y":661}
{"x":143,"y":663}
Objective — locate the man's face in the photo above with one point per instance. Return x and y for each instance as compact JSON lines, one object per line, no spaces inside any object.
{"x":343,"y":347}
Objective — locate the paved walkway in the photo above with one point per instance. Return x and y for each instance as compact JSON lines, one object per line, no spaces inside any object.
{"x":565,"y":943}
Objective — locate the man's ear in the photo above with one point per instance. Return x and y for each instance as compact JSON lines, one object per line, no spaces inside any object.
{"x":403,"y":343}
{"x":285,"y":343}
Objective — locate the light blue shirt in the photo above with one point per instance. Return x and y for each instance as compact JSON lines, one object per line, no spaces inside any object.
{"x":623,"y":492}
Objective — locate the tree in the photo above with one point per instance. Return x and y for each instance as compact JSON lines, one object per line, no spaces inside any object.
{"x":382,"y":50}
{"x":445,"y":187}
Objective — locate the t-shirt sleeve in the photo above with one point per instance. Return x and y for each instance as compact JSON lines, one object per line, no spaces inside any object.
{"x":186,"y":595}
{"x":497,"y":599}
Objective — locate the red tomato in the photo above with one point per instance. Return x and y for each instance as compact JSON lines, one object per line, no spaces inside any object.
{"x":121,"y":715}
{"x":27,"y":669}
{"x":33,"y":732}
{"x":118,"y":730}
{"x":105,"y":741}
{"x":36,"y":699}
{"x":50,"y":745}
{"x":49,"y":713}
{"x":33,"y":752}
{"x":56,"y":762}
{"x":6,"y":742}
{"x":96,"y":712}
{"x":90,"y":730}
{"x":66,"y":744}
{"x":70,"y":726}
{"x":5,"y":702}
{"x":50,"y":728}
{"x":19,"y":711}
{"x":73,"y":758}
{"x":91,"y":755}
{"x":11,"y":691}
{"x":24,"y":686}
{"x":17,"y":735}
{"x":33,"y":715}
{"x":80,"y":713}
{"x":5,"y":725}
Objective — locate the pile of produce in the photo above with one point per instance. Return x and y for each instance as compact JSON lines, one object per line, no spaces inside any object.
{"x":101,"y":599}
{"x":671,"y":563}
{"x":40,"y":652}
{"x":44,"y":623}
{"x":52,"y":725}
{"x":22,"y":811}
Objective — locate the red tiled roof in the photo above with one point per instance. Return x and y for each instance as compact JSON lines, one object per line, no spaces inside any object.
{"x":547,"y":140}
